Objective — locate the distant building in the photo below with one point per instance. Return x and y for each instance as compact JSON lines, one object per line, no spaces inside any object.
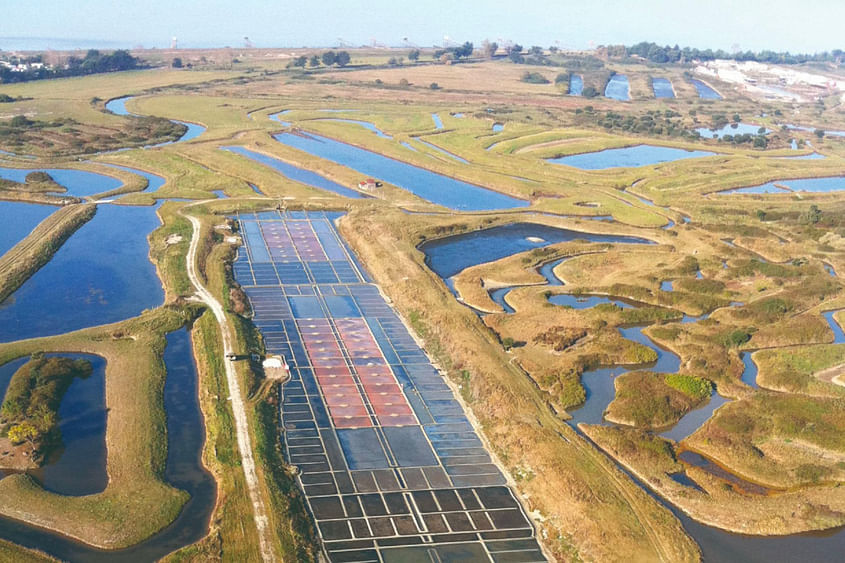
{"x":368,"y":184}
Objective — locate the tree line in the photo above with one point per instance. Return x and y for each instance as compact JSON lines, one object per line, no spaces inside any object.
{"x":327,"y":58}
{"x":666,"y":54}
{"x":94,"y":62}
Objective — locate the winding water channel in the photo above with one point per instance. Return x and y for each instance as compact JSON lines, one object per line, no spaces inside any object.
{"x":451,"y":255}
{"x":103,"y":274}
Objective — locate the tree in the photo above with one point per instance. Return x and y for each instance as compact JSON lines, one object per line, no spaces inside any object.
{"x":536,"y":50}
{"x":761,"y":215}
{"x":328,"y":58}
{"x":434,"y":86}
{"x":314,"y":61}
{"x":464,"y":50}
{"x":819,"y":133}
{"x":589,"y":92}
{"x":414,"y":55}
{"x":342,"y":59}
{"x":534,"y":78}
{"x":515,"y":53}
{"x":489,"y":48}
{"x":812,"y":216}
{"x":20,"y":121}
{"x":403,"y":82}
{"x":177,"y":62}
{"x":23,"y":432}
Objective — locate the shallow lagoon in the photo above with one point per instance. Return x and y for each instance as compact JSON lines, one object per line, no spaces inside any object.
{"x":732,"y":129}
{"x":78,"y":467}
{"x":365,"y":124}
{"x":436,"y":188}
{"x":79,"y":183}
{"x":627,"y":157}
{"x":450,"y":255}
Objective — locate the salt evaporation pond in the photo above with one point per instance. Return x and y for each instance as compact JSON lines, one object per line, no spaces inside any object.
{"x":295,"y":173}
{"x":428,"y":185}
{"x":617,"y":88}
{"x":704,"y":91}
{"x":662,"y":88}
{"x":828,"y":184}
{"x":576,"y":85}
{"x":627,"y":157}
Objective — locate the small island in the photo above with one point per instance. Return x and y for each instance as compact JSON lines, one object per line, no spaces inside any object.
{"x":29,"y":419}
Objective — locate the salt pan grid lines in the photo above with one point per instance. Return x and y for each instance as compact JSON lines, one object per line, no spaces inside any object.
{"x":391,"y":468}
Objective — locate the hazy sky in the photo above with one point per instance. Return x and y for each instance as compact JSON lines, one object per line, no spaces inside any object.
{"x":794,"y":25}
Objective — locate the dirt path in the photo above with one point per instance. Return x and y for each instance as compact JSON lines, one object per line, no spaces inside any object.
{"x":241,"y":426}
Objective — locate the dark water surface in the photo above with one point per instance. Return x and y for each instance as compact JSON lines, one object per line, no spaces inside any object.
{"x":185,"y":434}
{"x":101,"y":274}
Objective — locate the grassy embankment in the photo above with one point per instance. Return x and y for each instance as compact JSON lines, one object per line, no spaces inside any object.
{"x":232,"y":535}
{"x":136,"y":451}
{"x":30,"y":254}
{"x":563,"y":477}
{"x":12,"y":552}
{"x":29,"y":414}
